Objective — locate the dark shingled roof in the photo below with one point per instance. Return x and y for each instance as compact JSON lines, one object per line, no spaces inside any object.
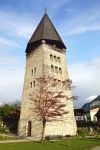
{"x":96,"y":99}
{"x":45,"y":31}
{"x":98,"y":113}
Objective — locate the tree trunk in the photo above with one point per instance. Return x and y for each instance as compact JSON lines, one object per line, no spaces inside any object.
{"x":43,"y":130}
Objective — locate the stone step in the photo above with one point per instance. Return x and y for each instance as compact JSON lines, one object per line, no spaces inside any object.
{"x":32,"y":138}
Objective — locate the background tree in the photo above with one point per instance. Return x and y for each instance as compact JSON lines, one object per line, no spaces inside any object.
{"x":8,"y":108}
{"x":9,"y":115}
{"x":49,"y":99}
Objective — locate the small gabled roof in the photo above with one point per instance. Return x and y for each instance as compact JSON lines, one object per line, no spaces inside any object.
{"x":45,"y":31}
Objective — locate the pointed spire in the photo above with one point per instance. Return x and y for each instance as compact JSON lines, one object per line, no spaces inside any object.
{"x":45,"y":31}
{"x":45,"y":10}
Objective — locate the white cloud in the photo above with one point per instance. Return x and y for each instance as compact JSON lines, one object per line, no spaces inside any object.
{"x":8,"y":42}
{"x":9,"y":61}
{"x":11,"y":78}
{"x":11,"y":81}
{"x":83,"y":22}
{"x":15,"y":30}
{"x":1,"y":104}
{"x":90,"y":98}
{"x":86,"y":78}
{"x":14,"y":25}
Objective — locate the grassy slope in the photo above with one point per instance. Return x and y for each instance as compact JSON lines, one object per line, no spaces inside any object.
{"x":75,"y":144}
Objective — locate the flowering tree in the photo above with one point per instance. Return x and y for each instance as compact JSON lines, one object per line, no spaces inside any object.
{"x":50,"y":98}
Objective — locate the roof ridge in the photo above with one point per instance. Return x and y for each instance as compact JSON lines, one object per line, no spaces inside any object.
{"x":44,"y":23}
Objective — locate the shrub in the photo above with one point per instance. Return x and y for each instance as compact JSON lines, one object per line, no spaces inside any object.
{"x":81,"y":133}
{"x":53,"y":137}
{"x":2,"y":130}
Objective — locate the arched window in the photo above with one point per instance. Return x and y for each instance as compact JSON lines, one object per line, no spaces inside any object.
{"x":32,"y":72}
{"x":29,"y":126}
{"x":34,"y":83}
{"x":60,"y":71}
{"x":31,"y":84}
{"x":58,"y":59}
{"x":51,"y":57}
{"x":55,"y":58}
{"x":52,"y":68}
{"x":56,"y":69}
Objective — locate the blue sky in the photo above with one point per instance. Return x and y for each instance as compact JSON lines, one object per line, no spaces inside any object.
{"x":78,"y":23}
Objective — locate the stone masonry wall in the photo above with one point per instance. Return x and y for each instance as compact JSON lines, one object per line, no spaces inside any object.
{"x":41,"y":60}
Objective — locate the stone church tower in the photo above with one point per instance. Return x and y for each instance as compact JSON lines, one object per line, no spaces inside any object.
{"x":45,"y":55}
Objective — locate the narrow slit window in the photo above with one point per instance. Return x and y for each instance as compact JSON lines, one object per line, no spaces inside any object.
{"x":34,"y":70}
{"x":55,"y":82}
{"x":59,"y":60}
{"x":51,"y":57}
{"x":56,"y":69}
{"x":55,"y":58}
{"x":60,"y":71}
{"x":31,"y":84}
{"x":59,"y":82}
{"x":52,"y":68}
{"x":34,"y":83}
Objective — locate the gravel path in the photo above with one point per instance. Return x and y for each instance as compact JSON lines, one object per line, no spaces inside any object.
{"x":96,"y":148}
{"x":14,"y":141}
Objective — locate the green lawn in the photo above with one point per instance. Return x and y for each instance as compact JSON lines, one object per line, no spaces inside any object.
{"x":74,"y":144}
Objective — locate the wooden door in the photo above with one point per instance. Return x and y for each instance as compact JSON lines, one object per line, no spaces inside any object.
{"x":29,"y":128}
